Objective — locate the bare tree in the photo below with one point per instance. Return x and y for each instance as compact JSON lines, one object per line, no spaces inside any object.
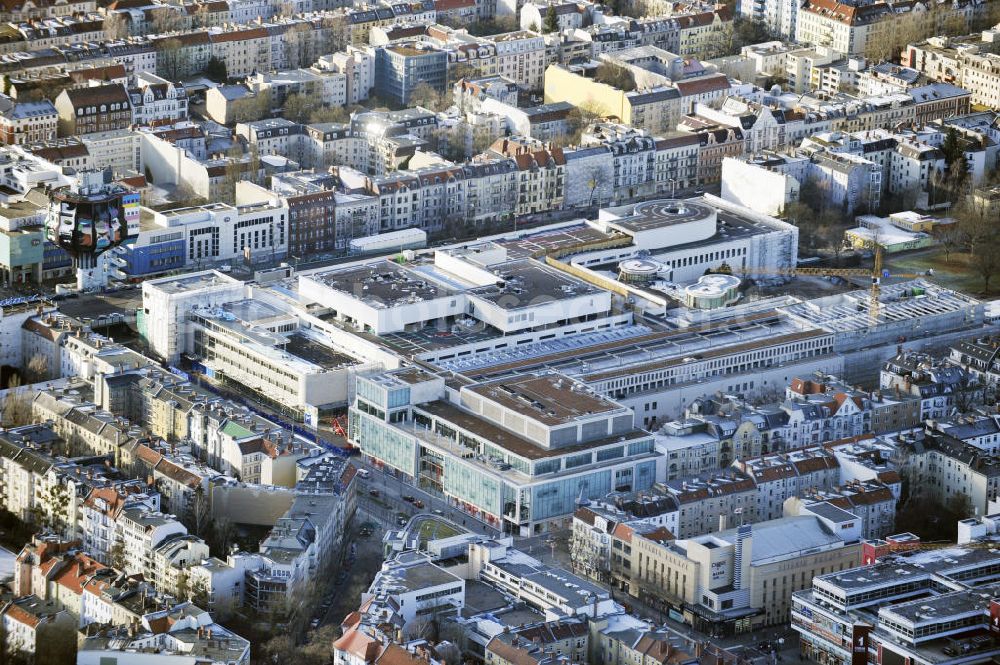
{"x":37,"y":369}
{"x":183,"y":586}
{"x":221,"y":537}
{"x":598,"y":174}
{"x":330,"y":114}
{"x":298,"y":41}
{"x":166,"y":18}
{"x":951,"y":238}
{"x":172,"y":59}
{"x":426,"y":96}
{"x":337,"y":32}
{"x":420,"y":628}
{"x":255,"y":108}
{"x":199,"y":511}
{"x":116,"y":25}
{"x":16,"y":406}
{"x":200,"y":18}
{"x":979,"y":227}
{"x":57,"y":502}
{"x":234,"y":172}
{"x":199,"y":594}
{"x":298,"y":108}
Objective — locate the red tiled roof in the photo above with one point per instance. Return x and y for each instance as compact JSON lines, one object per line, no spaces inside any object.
{"x":806,"y":387}
{"x":135,"y":181}
{"x":76,"y":573}
{"x":659,"y":534}
{"x":199,"y":38}
{"x":702,"y":85}
{"x":357,"y":644}
{"x":840,"y":398}
{"x":115,"y":500}
{"x":239,"y":35}
{"x":105,"y":73}
{"x":623,"y":532}
{"x":451,"y":5}
{"x":148,"y":455}
{"x":21,"y":615}
{"x":98,"y":94}
{"x":397,"y":655}
{"x":160,"y":625}
{"x":177,"y":473}
{"x":890,"y":477}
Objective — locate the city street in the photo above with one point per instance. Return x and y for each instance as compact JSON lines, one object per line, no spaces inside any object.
{"x":550,"y":548}
{"x":390,"y":504}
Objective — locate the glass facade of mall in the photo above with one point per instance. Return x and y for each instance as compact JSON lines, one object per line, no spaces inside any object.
{"x":516,"y":486}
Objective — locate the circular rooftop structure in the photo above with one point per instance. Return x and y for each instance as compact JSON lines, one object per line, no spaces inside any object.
{"x":711,"y":291}
{"x":668,"y":223}
{"x":639,"y":271}
{"x":673,"y":211}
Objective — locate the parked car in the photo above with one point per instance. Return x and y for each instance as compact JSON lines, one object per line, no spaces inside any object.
{"x":409,"y":498}
{"x":418,"y":503}
{"x":373,"y":492}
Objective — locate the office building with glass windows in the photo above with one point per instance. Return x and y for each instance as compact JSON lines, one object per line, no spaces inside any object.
{"x":909,"y":607}
{"x":517,"y":453}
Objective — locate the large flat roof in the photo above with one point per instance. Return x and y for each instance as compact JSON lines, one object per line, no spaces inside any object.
{"x":311,"y":351}
{"x":549,"y":398}
{"x":847,"y":312}
{"x":382,"y":284}
{"x":431,"y":338}
{"x":660,"y":214}
{"x":527,"y":283}
{"x":553,"y":241}
{"x":786,"y":537}
{"x":192,"y":282}
{"x":626,"y":347}
{"x":944,"y":607}
{"x":510,"y":441}
{"x":898,"y":568}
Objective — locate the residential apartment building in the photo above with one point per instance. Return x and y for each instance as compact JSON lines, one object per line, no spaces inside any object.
{"x":36,"y":629}
{"x":541,"y":174}
{"x":358,"y":67}
{"x":521,"y":57}
{"x":327,"y":88}
{"x":969,"y":62}
{"x":979,"y":356}
{"x":712,"y":502}
{"x":29,"y":122}
{"x":944,"y":469}
{"x":94,"y":109}
{"x":656,"y":109}
{"x":940,"y":386}
{"x":156,"y":100}
{"x":783,"y":476}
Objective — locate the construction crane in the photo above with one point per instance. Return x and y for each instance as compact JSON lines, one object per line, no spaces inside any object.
{"x":876,"y":273}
